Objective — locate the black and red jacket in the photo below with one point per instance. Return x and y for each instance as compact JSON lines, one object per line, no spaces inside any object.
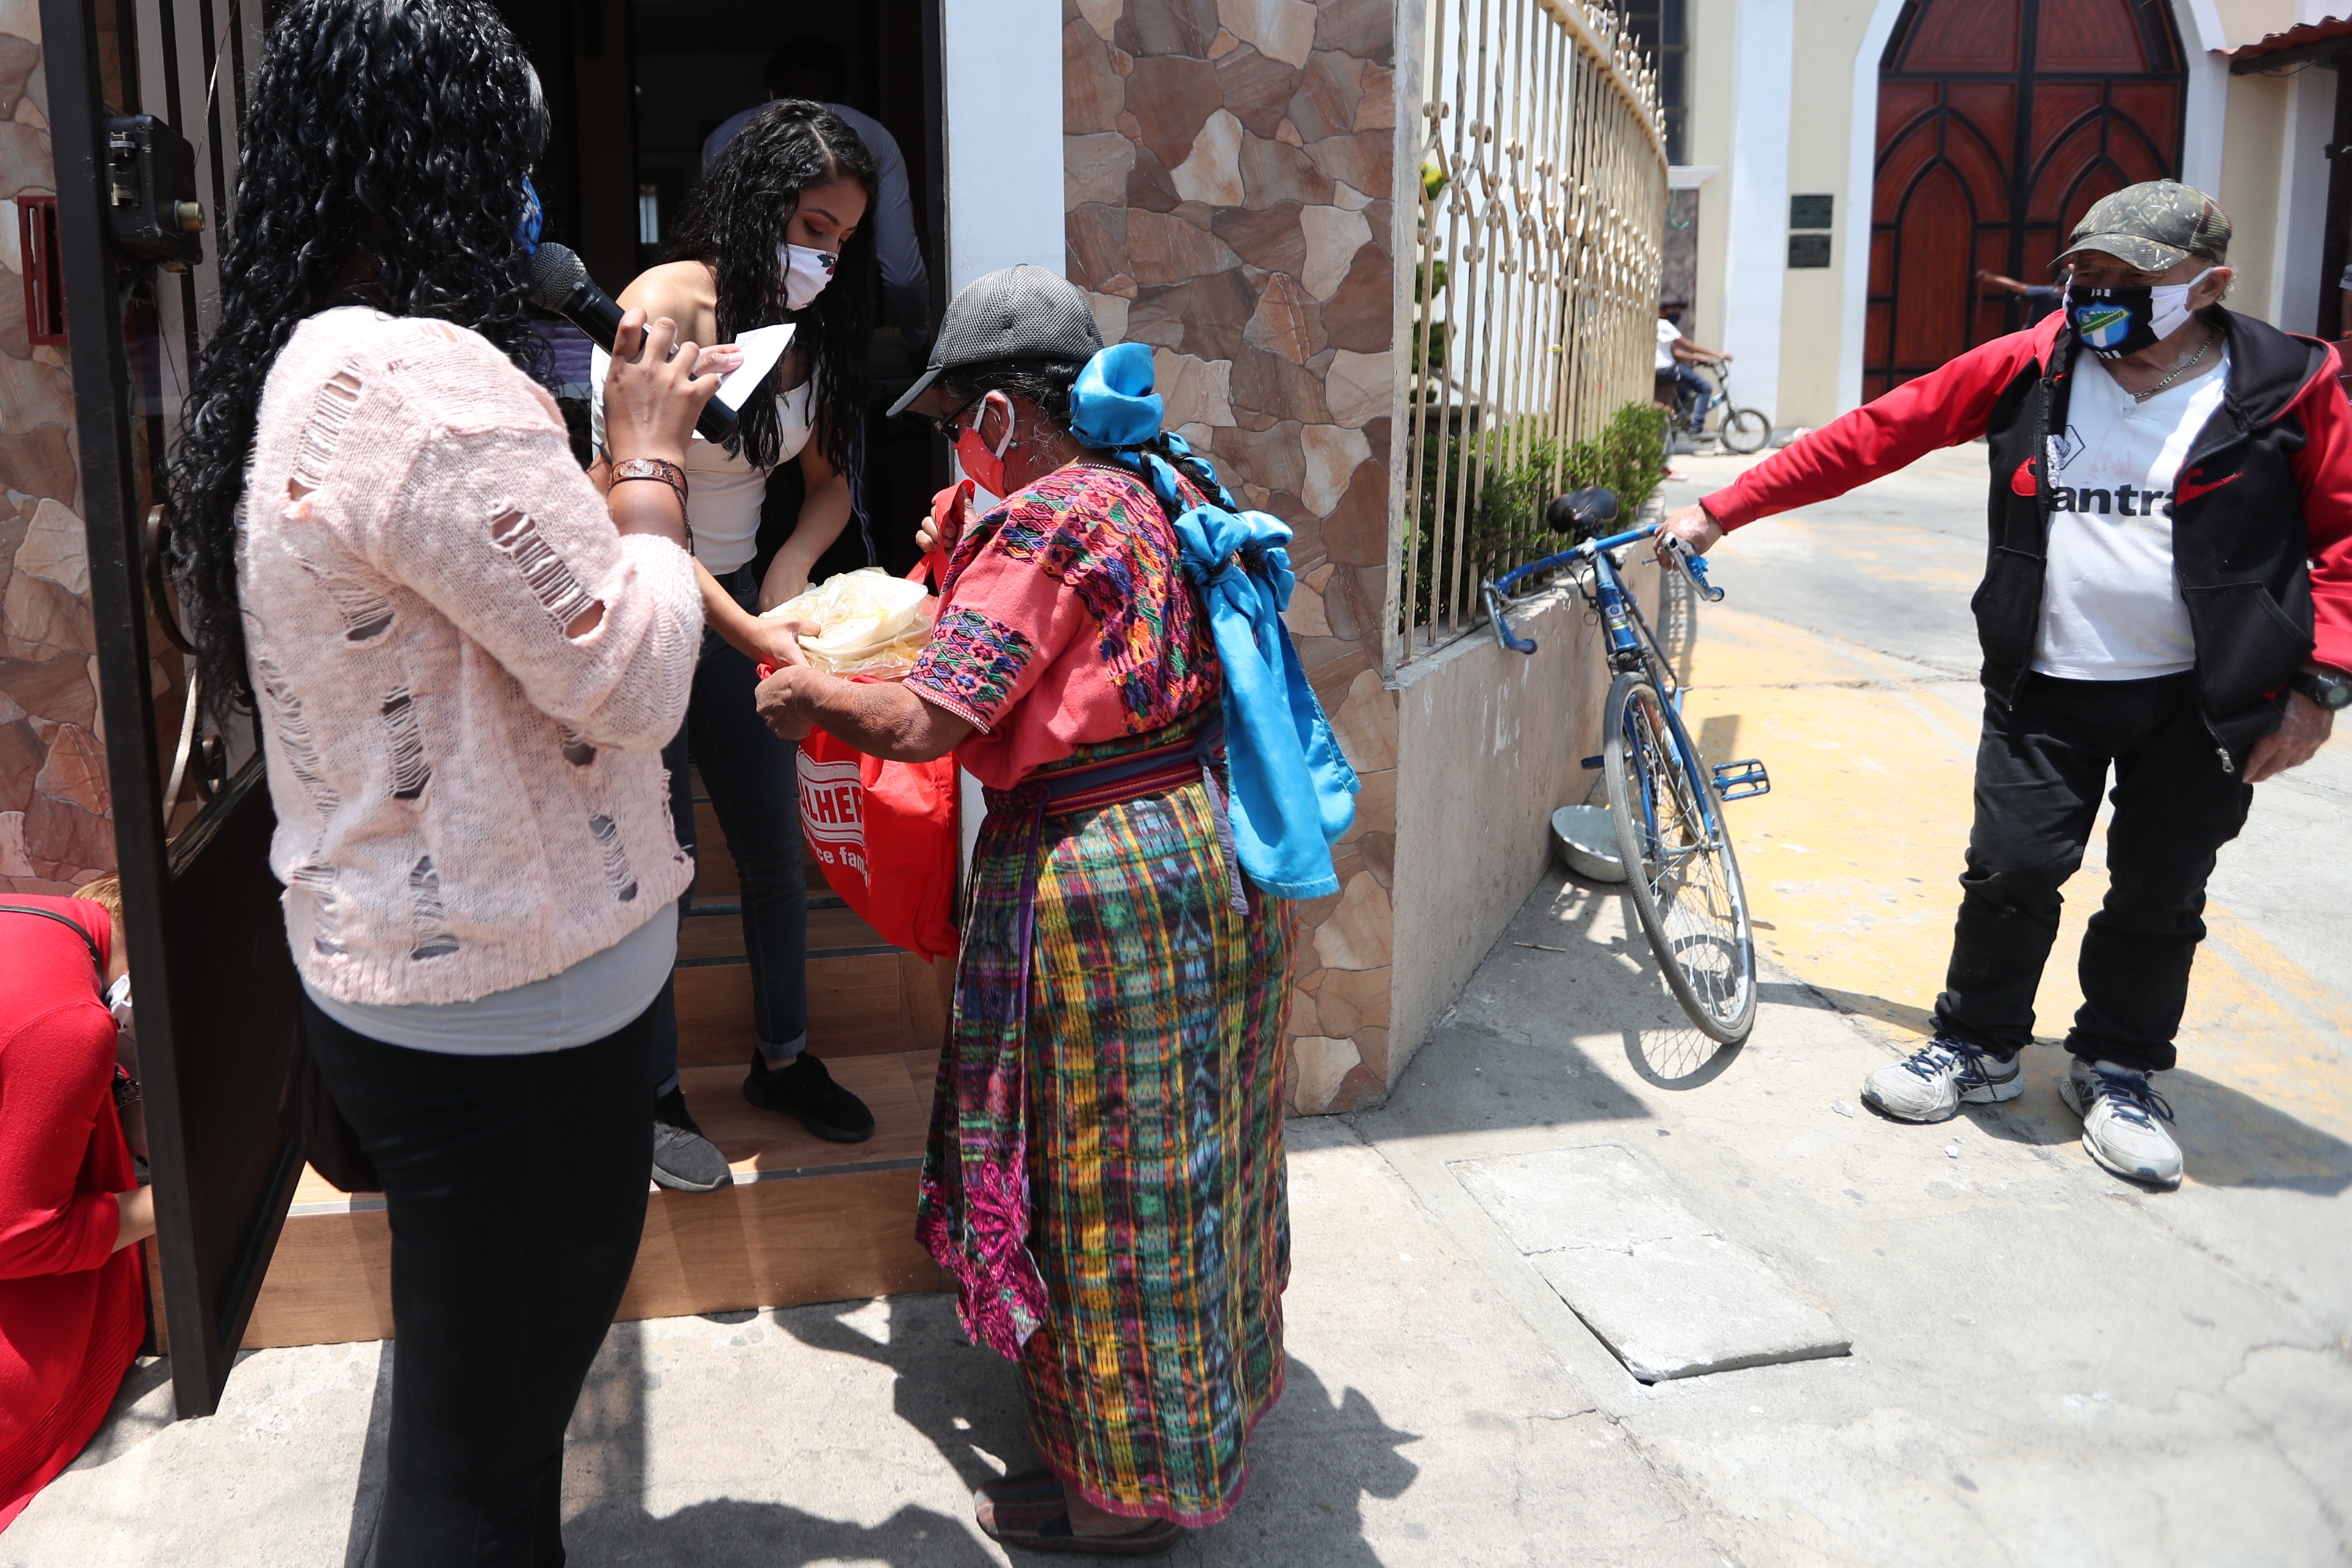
{"x":2262,"y":510}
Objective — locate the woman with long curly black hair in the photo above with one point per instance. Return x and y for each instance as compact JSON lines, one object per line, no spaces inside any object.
{"x":466,"y":661}
{"x":777,"y":234}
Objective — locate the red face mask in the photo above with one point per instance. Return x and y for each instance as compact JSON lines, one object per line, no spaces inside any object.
{"x":985,"y":467}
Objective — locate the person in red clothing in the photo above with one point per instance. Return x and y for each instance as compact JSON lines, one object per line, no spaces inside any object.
{"x":2167,"y":596}
{"x":72,"y":1288}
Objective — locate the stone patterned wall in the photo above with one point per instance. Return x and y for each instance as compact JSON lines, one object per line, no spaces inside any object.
{"x":1230,"y":171}
{"x":56,"y":823}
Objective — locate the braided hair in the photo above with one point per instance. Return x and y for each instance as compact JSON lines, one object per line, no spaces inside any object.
{"x":381,"y":164}
{"x":736,"y":226}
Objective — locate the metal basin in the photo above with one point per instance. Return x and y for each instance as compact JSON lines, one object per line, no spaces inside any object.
{"x":1587,"y":836}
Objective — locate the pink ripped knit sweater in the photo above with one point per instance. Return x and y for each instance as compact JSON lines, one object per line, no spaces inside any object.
{"x":470,"y":797}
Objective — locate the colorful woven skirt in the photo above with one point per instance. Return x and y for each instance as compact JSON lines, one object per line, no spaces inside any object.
{"x":1104,"y":1175}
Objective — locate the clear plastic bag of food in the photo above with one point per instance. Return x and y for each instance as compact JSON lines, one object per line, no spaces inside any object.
{"x":869,"y":624}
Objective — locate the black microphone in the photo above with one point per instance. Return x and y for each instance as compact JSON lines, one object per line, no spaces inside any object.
{"x":560,"y":283}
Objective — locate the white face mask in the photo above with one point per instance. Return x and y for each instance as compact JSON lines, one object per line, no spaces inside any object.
{"x":2170,"y":302}
{"x":806,"y":272}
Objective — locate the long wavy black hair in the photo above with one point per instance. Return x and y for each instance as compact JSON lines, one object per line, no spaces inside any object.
{"x":736,"y":226}
{"x":382,"y":163}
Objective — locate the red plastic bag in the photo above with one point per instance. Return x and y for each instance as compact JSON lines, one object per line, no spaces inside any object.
{"x":884,"y":832}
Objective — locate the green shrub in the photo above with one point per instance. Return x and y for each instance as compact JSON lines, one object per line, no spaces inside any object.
{"x":1504,"y":525}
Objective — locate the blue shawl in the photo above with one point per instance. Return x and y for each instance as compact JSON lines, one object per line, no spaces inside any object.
{"x":1292,"y":791}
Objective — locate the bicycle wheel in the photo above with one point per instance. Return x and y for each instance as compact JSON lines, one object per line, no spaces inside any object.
{"x":1744,"y":430}
{"x":1678,"y":862}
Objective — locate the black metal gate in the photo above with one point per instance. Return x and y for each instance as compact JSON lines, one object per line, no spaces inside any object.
{"x":216,"y":989}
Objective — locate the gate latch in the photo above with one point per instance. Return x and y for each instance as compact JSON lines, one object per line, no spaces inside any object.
{"x":151,"y":211}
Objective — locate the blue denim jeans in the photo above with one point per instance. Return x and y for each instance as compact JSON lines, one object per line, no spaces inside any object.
{"x":755,"y":789}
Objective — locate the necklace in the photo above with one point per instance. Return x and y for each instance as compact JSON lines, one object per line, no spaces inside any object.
{"x":2181,"y":369}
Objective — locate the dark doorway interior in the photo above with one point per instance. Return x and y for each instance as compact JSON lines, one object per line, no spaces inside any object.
{"x":635,"y":85}
{"x":2336,"y":244}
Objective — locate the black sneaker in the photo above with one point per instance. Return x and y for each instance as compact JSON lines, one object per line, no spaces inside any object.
{"x":684,"y":1160}
{"x":802,"y":1087}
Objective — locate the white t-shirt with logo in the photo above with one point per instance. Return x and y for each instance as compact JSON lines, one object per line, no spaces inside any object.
{"x":2111,"y":607}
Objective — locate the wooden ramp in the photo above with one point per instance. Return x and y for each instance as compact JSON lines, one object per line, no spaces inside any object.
{"x":805,"y":1220}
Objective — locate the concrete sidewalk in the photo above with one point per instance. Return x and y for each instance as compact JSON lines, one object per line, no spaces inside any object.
{"x":1424,"y":1420}
{"x":2048,"y":1367}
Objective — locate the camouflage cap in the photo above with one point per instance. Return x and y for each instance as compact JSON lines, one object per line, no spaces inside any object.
{"x":2154,"y":225}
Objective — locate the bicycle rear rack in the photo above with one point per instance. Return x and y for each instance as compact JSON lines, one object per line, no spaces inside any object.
{"x":1740,"y":780}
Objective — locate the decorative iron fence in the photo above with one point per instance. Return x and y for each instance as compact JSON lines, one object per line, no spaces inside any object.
{"x":1543,"y":194}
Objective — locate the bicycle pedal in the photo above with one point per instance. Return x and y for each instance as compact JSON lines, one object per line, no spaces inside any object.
{"x":1740,"y":781}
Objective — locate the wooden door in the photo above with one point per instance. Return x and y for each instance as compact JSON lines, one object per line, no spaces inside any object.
{"x":2000,"y":123}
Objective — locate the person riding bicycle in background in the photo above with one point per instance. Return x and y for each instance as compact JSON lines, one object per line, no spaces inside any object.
{"x":2168,"y":593}
{"x":1676,"y":355}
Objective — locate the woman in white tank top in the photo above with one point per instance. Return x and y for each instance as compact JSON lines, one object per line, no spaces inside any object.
{"x":776,"y":232}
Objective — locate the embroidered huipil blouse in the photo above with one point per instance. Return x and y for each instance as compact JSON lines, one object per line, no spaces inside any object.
{"x":1067,"y":622}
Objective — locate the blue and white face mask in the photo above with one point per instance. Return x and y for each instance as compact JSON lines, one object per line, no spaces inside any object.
{"x":533,"y":220}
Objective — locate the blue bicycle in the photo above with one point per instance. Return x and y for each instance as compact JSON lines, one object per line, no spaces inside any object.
{"x":1666,"y":803}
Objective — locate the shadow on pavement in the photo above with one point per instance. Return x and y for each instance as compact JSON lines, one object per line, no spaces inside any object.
{"x":1665,"y":1053}
{"x":604,"y":1490}
{"x":367,"y":1498}
{"x":1677,"y":1059}
{"x":1895,"y":1015}
{"x":1312,"y":1459}
{"x":2227,"y":1138}
{"x":1573,"y":965}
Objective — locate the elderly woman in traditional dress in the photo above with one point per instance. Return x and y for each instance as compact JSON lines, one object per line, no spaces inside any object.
{"x":1105,"y":1177}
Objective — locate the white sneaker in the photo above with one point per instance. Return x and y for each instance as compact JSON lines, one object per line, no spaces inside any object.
{"x":2121,"y":1125}
{"x":1935,"y":1080}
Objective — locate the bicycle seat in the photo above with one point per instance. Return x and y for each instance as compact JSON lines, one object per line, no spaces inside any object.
{"x":1582,"y":511}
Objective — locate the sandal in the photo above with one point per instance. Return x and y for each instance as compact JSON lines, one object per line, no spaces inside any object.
{"x":1156,"y":1538}
{"x":1021,"y":1501}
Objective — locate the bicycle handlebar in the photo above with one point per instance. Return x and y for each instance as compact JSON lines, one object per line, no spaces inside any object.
{"x":1692,"y":565}
{"x":1496,"y":592}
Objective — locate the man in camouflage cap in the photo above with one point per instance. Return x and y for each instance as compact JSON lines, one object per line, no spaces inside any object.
{"x":2168,"y":597}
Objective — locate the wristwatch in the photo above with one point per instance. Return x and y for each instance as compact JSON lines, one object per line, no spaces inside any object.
{"x":2331,"y":689}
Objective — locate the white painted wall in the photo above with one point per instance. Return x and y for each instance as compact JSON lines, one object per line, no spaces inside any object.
{"x":2204,"y":137}
{"x":1004,"y":169}
{"x":2204,"y":40}
{"x":2303,"y":200}
{"x":1755,"y":236}
{"x":1861,"y":184}
{"x":1004,"y":152}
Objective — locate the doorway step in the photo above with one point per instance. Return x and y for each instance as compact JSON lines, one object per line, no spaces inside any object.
{"x":805,"y":1220}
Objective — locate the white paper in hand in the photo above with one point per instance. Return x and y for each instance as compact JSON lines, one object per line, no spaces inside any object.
{"x":762,"y":346}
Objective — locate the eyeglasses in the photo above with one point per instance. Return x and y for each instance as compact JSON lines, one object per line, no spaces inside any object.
{"x":946,"y":424}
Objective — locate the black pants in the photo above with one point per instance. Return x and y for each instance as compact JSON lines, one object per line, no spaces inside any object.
{"x":2040,"y":769}
{"x":516,"y":1186}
